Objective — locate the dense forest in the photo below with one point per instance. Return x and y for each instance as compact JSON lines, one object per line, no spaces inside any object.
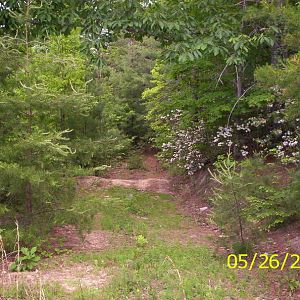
{"x":173,"y":92}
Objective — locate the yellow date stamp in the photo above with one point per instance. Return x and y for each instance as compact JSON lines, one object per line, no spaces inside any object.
{"x":263,"y":261}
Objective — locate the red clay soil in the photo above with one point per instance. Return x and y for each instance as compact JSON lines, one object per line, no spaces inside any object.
{"x":152,"y":169}
{"x":151,"y":178}
{"x":68,"y":237}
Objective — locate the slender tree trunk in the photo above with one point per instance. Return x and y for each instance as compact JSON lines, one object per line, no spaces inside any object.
{"x":239,"y":70}
{"x":27,"y":25}
{"x":28,"y":197}
{"x":277,"y":50}
{"x":239,"y":215}
{"x":239,"y":74}
{"x":239,"y":81}
{"x":28,"y":186}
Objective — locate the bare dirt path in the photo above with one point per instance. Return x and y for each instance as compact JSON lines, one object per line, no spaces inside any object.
{"x":151,"y":178}
{"x":158,"y":185}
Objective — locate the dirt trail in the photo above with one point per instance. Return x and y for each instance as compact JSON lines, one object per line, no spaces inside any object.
{"x":69,"y":277}
{"x":155,"y":179}
{"x":157,"y":185}
{"x":152,"y":178}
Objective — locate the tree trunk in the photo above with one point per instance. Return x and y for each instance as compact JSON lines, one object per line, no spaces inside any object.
{"x":239,"y":68}
{"x":28,"y":186}
{"x":238,"y":210}
{"x":28,"y":197}
{"x":277,"y":51}
{"x":239,"y":81}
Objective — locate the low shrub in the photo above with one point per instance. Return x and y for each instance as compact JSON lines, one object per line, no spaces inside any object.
{"x":135,"y":161}
{"x":26,"y":261}
{"x":249,"y":200}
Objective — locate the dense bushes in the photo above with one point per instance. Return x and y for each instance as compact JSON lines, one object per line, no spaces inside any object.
{"x":184,"y":109}
{"x":240,"y":101}
{"x":59,"y":119}
{"x":260,"y":122}
{"x":122,"y":79}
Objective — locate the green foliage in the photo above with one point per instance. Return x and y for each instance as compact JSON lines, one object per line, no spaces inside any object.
{"x":283,"y":84}
{"x":195,"y":93}
{"x":121,"y":81}
{"x":8,"y":238}
{"x":34,"y":145}
{"x":293,"y":192}
{"x":10,"y":58}
{"x":110,"y":147}
{"x":293,"y":284}
{"x":141,"y":241}
{"x":194,"y":96}
{"x":242,"y":248}
{"x":101,"y":170}
{"x":248,"y":200}
{"x":135,"y":161}
{"x":212,"y":78}
{"x":45,"y":18}
{"x":65,"y":113}
{"x":50,"y":127}
{"x":27,"y":261}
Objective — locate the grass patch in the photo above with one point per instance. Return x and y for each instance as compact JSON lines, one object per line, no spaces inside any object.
{"x":34,"y":291}
{"x":130,"y":211}
{"x":167,"y":271}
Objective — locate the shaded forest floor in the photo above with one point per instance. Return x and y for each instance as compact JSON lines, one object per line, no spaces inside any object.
{"x":149,"y":239}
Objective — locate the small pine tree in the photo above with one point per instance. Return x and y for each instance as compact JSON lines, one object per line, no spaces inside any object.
{"x":248,"y":200}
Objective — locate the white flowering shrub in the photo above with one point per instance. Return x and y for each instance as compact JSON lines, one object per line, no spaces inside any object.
{"x":268,"y":133}
{"x":183,"y":149}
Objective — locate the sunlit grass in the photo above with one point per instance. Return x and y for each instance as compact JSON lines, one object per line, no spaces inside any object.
{"x":158,"y":269}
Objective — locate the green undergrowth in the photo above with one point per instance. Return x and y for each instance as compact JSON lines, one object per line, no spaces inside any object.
{"x":157,"y":271}
{"x":166,"y":271}
{"x":136,"y":162}
{"x":117,"y":209}
{"x":152,"y":269}
{"x":129,"y":211}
